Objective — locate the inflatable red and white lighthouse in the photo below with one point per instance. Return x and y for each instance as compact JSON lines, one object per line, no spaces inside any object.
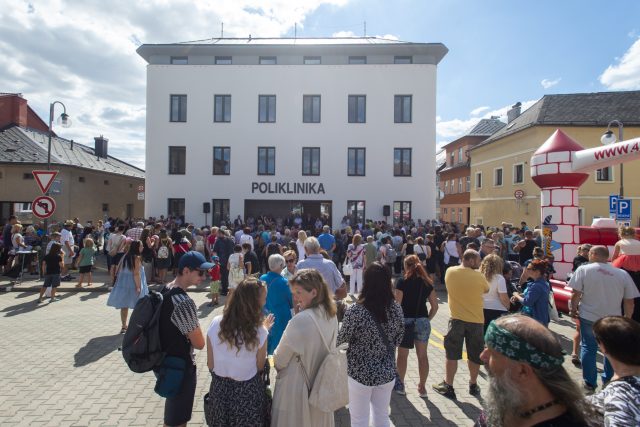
{"x":559,"y":167}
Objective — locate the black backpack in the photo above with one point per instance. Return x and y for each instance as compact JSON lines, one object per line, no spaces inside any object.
{"x":141,"y":347}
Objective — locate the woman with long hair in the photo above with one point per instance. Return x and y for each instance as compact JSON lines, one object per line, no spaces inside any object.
{"x":163,"y":255}
{"x":51,"y":268}
{"x":626,"y":255}
{"x":355,"y":255}
{"x":131,"y":283}
{"x":496,"y":301}
{"x":373,"y":328}
{"x":147,"y":252}
{"x":535,"y":298}
{"x":413,"y":290}
{"x":302,"y":350}
{"x":236,"y":355}
{"x":302,"y":236}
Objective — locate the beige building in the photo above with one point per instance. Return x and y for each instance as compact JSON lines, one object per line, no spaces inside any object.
{"x":90,"y":185}
{"x":500,"y":164}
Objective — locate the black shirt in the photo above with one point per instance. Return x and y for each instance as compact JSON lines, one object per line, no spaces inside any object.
{"x":526,"y":253}
{"x":253,"y":259}
{"x":52,"y":263}
{"x":415,"y":293}
{"x":578,"y":261}
{"x":178,"y":318}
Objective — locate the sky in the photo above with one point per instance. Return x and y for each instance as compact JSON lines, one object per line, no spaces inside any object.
{"x":500,"y":51}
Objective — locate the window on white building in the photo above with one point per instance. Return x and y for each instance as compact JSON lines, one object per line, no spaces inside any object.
{"x":604,"y":174}
{"x":222,"y":109}
{"x":311,"y":109}
{"x":223,"y":60}
{"x":268,"y":60}
{"x":403,"y":60}
{"x":356,"y":161}
{"x":177,"y":160}
{"x":518,"y":173}
{"x":478,"y":179}
{"x":355,"y":211}
{"x":311,"y":161}
{"x":175,"y":207}
{"x":312,"y":60}
{"x":221,"y":160}
{"x":178,"y":108}
{"x":266,"y":108}
{"x":402,"y":161}
{"x":402,"y":109}
{"x":497,"y":177}
{"x":357,"y":60}
{"x":266,"y":160}
{"x":401,"y":211}
{"x":357,"y":108}
{"x":179,"y":60}
{"x":220,"y":211}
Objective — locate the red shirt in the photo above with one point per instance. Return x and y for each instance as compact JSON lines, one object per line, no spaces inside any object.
{"x":214,"y":272}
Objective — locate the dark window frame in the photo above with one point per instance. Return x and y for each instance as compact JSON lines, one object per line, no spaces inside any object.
{"x":182,"y":108}
{"x":403,"y":151}
{"x":312,"y":151}
{"x":311,"y":98}
{"x":266,"y":166}
{"x":306,"y":60}
{"x":173,"y":150}
{"x":355,"y":216}
{"x":399,"y":117}
{"x":223,"y":103}
{"x":401,"y":211}
{"x":268,"y":109}
{"x":352,"y":117}
{"x":218,"y":211}
{"x":357,"y":151}
{"x":222,"y":150}
{"x":181,"y":202}
{"x":403,"y":59}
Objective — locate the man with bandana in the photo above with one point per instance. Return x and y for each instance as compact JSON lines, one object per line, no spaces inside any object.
{"x":528,"y":386}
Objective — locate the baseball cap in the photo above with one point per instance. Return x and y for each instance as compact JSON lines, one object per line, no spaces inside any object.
{"x":194,"y":261}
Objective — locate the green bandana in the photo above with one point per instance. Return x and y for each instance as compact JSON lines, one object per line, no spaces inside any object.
{"x":515,"y":348}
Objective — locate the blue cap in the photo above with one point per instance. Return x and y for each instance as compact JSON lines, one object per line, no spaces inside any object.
{"x":194,"y":260}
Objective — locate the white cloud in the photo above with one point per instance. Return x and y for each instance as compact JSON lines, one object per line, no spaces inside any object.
{"x":625,"y":75}
{"x":479,"y":110}
{"x":344,"y":34}
{"x":83,"y":54}
{"x":548,"y":83}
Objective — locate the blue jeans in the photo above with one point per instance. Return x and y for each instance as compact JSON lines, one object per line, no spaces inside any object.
{"x":588,"y":351}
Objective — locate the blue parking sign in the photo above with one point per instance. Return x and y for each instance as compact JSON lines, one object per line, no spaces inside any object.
{"x":613,"y":203}
{"x":624,"y":209}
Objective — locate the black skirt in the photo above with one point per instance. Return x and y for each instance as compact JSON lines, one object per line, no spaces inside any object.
{"x":236,"y":403}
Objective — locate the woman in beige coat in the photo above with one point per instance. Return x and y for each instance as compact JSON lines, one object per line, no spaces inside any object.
{"x":301,"y":350}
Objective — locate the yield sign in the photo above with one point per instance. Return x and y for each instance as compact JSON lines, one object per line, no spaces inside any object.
{"x":44,"y":179}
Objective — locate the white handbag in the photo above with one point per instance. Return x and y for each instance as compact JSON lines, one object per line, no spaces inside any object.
{"x":553,"y":311}
{"x":347,"y":268}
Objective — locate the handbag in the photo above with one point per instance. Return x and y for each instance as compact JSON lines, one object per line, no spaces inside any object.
{"x":453,"y":260}
{"x":553,"y":311}
{"x":169,"y":376}
{"x":268,"y":398}
{"x":329,"y":391}
{"x":347,"y":268}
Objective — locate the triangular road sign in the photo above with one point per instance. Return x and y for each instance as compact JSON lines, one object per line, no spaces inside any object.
{"x":44,"y":179}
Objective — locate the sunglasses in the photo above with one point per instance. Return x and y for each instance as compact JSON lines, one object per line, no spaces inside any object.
{"x":290,"y":260}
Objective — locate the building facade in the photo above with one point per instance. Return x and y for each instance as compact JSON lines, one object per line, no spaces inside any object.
{"x":500,"y":165}
{"x":320,"y":127}
{"x":455,"y":177}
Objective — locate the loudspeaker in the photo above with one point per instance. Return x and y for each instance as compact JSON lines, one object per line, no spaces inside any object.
{"x":386,"y":210}
{"x":206,"y":207}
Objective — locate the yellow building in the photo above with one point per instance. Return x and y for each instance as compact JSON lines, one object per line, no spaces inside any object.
{"x":500,"y":164}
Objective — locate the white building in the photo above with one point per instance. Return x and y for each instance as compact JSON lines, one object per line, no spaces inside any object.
{"x":339,"y":126}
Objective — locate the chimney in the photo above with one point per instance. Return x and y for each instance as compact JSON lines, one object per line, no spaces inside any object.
{"x":514,"y":112}
{"x":71,"y":144}
{"x":101,"y":146}
{"x":13,"y":110}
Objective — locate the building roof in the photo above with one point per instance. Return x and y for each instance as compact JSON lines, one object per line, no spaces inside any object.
{"x":576,"y":109}
{"x":293,"y":41}
{"x":28,"y":146}
{"x":484,"y":128}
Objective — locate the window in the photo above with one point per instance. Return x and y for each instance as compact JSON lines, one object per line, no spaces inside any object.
{"x":312,"y":60}
{"x":27,"y":175}
{"x":402,"y":161}
{"x":178,"y":108}
{"x":357,"y":108}
{"x":175,"y":207}
{"x":497,"y":177}
{"x":518,"y":173}
{"x":179,"y":60}
{"x":446,"y":211}
{"x":357,"y":60}
{"x":403,"y":60}
{"x":452,"y":158}
{"x":401,"y":211}
{"x":356,"y":161}
{"x":460,"y":158}
{"x":310,"y":161}
{"x":604,"y":174}
{"x":453,"y":186}
{"x":222,"y":109}
{"x":221,"y":160}
{"x":460,"y":215}
{"x":129,"y":210}
{"x":268,"y":60}
{"x":220,"y":212}
{"x":81,"y":179}
{"x":311,"y":109}
{"x":446,"y":186}
{"x":468,"y":188}
{"x":459,"y":185}
{"x":266,"y":109}
{"x":177,"y":160}
{"x":478,"y":179}
{"x":355,"y":211}
{"x":402,"y":109}
{"x":106,"y":182}
{"x":266,"y":160}
{"x":223,"y":60}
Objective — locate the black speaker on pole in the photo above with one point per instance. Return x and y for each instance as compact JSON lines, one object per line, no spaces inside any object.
{"x":386,"y":210}
{"x":206,"y":207}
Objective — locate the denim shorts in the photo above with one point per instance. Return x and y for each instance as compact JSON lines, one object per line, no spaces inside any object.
{"x":422,"y":328}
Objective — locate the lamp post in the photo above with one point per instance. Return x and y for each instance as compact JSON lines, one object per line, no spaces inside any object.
{"x":609,"y":138}
{"x":63,"y":121}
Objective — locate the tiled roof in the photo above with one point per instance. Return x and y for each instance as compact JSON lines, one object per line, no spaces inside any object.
{"x":576,"y":109}
{"x":486,"y":127}
{"x":20,"y":145}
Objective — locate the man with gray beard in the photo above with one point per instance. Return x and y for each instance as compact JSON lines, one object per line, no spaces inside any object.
{"x":527,"y":384}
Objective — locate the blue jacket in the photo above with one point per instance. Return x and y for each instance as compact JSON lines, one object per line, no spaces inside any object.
{"x":279,"y":303}
{"x":536,"y":301}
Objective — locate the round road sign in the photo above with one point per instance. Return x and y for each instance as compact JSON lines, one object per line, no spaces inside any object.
{"x":518,"y":194}
{"x":43,"y":207}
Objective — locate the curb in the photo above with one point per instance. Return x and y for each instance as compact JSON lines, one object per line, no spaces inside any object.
{"x":100,"y":288}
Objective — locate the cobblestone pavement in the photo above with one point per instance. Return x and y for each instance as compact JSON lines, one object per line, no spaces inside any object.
{"x":62,"y":367}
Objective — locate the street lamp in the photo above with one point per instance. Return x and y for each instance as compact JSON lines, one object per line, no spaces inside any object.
{"x":63,"y":121}
{"x":609,"y":138}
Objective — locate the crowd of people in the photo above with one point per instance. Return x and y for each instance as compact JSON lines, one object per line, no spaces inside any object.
{"x":296,"y":290}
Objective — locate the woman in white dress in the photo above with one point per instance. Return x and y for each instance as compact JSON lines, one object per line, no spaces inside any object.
{"x":235,"y":266}
{"x":301,"y":350}
{"x":302,"y":236}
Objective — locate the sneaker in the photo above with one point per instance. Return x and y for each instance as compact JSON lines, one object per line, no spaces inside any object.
{"x":445,"y":389}
{"x":398,"y":387}
{"x":422,"y":393}
{"x":54,"y":299}
{"x":474,"y":390}
{"x":588,"y":388}
{"x":575,"y":359}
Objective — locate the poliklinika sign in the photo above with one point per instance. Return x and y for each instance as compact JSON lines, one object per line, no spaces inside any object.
{"x":287,"y":188}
